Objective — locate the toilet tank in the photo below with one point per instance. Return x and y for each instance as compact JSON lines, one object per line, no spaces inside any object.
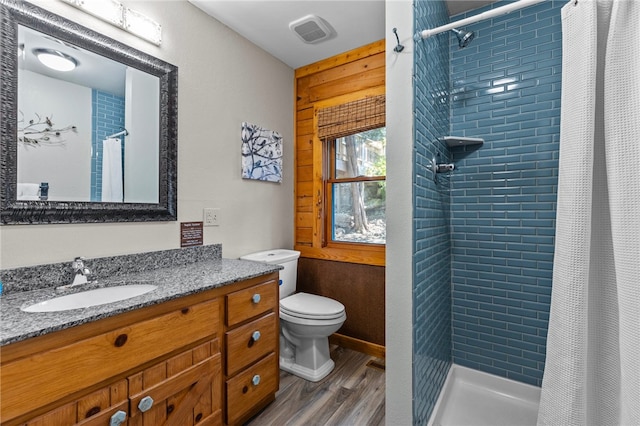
{"x":288,"y":259}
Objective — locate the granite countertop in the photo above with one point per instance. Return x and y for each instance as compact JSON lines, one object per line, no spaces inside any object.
{"x":172,"y":282}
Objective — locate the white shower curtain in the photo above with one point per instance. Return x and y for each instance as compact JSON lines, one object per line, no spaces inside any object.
{"x":592,"y":370}
{"x":112,"y":170}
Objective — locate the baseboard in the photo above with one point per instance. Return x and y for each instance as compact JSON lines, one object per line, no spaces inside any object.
{"x":358,"y":345}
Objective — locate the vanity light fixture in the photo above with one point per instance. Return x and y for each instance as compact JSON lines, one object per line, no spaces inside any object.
{"x":115,"y":13}
{"x":107,"y":10}
{"x":55,"y":59}
{"x":142,"y":26}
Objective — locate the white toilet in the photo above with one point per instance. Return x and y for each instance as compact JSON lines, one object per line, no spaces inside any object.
{"x":306,"y":320}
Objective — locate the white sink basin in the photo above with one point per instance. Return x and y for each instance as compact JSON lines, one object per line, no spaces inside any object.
{"x":84,"y":299}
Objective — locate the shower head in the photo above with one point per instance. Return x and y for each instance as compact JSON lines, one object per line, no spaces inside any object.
{"x":464,"y":37}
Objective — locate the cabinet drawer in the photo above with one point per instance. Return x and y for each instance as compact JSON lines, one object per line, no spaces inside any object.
{"x":242,"y":392}
{"x":243,"y":348}
{"x":250,"y":302}
{"x":62,"y":371}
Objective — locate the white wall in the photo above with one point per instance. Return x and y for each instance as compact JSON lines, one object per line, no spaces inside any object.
{"x":65,"y":165}
{"x":141,"y":150}
{"x":220,"y":85}
{"x":399,"y":264}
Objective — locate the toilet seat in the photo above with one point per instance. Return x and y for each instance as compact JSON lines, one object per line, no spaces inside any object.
{"x":312,"y":307}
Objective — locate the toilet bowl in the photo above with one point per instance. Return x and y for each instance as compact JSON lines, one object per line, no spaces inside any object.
{"x":306,"y":320}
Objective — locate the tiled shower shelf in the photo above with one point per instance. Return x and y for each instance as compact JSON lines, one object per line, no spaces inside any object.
{"x":462,"y":141}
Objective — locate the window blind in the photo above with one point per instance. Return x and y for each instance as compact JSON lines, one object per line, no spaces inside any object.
{"x":353,"y":117}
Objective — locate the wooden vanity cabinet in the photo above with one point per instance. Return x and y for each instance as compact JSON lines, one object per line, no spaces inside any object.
{"x":159,"y":365}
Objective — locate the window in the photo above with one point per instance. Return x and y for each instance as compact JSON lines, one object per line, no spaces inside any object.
{"x":354,"y":173}
{"x":355,"y":188}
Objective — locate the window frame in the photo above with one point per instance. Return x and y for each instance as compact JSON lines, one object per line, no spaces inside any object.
{"x":328,"y":179}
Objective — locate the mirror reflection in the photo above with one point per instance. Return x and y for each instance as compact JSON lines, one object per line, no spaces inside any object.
{"x":88,"y":126}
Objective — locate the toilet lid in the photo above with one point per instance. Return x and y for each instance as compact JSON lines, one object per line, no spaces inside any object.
{"x":306,"y":305}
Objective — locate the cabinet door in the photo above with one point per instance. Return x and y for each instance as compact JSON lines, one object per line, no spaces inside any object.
{"x":94,"y":409}
{"x":183,"y":390}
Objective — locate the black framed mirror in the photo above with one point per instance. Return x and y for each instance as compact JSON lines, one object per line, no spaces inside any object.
{"x":33,"y":148}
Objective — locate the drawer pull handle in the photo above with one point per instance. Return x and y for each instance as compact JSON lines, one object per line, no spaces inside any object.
{"x":145,"y":404}
{"x":255,"y":336}
{"x":121,"y":340}
{"x":118,"y":418}
{"x":256,"y":298}
{"x":92,"y":412}
{"x":256,"y":380}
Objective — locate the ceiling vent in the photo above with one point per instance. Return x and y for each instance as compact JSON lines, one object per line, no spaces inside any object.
{"x":311,"y":29}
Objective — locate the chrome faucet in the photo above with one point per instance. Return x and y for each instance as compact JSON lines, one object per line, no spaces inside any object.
{"x":80,"y":269}
{"x":80,"y":273}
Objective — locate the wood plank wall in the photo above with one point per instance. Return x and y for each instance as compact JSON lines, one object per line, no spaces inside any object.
{"x":353,"y":276}
{"x":340,"y":79}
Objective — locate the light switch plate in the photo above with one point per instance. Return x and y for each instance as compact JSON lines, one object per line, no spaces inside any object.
{"x":211,"y":217}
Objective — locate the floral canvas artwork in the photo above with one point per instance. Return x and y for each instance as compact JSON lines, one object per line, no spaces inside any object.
{"x":261,"y":153}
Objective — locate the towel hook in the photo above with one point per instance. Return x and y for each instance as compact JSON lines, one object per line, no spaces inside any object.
{"x":399,"y":48}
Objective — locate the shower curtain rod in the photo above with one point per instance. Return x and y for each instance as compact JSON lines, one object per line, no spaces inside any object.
{"x":115,"y":135}
{"x":479,"y":17}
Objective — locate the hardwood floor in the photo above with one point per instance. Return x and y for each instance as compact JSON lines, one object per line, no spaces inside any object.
{"x":353,"y":394}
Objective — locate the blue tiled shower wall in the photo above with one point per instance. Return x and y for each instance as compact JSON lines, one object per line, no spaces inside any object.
{"x":431,"y":232}
{"x":107,"y":119}
{"x":484,"y":236}
{"x":505,"y":88}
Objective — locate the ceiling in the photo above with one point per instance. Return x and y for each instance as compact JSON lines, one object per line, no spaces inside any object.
{"x":266,"y":24}
{"x":94,"y":70}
